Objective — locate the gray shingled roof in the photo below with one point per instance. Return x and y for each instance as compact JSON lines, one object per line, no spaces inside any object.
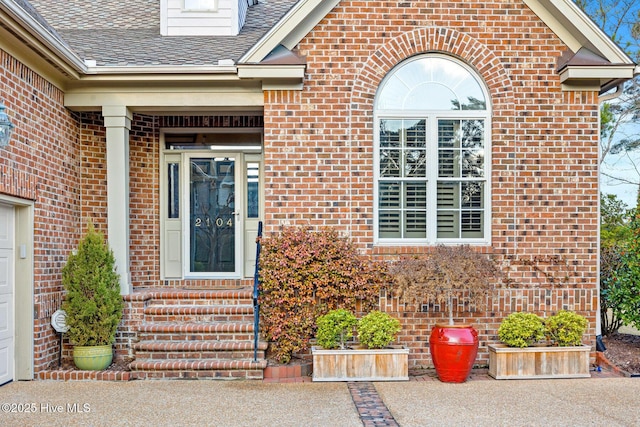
{"x":119,"y":33}
{"x":28,"y":7}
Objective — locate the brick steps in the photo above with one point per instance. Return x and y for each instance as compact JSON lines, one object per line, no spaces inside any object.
{"x":168,"y":350}
{"x":198,"y":334}
{"x":199,"y":313}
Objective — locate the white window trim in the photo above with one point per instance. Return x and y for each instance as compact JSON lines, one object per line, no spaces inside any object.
{"x":432,"y":117}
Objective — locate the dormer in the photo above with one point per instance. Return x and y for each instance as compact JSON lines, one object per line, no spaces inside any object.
{"x":203,"y":17}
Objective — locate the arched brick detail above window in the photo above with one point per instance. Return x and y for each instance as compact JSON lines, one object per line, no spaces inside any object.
{"x":436,"y":40}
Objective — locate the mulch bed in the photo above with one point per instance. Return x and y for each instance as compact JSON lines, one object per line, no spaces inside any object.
{"x":623,"y":350}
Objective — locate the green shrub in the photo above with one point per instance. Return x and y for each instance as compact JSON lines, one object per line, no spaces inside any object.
{"x":623,"y":292}
{"x":566,"y":328}
{"x":304,"y":274}
{"x":335,"y":328}
{"x":93,"y":304}
{"x":377,"y":329}
{"x":521,"y":329}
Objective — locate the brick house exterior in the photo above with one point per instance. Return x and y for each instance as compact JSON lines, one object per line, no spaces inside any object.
{"x":106,"y":111}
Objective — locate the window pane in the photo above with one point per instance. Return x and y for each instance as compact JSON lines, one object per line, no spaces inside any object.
{"x":390,"y":133}
{"x":390,"y":163}
{"x":415,"y":195}
{"x":200,"y":4}
{"x":472,"y":224}
{"x":173,"y":185}
{"x":389,"y":224}
{"x":431,"y":83}
{"x":460,"y":210}
{"x":389,"y":196}
{"x":448,"y":195}
{"x":253,"y":191}
{"x":448,"y":224}
{"x":472,"y":195}
{"x":472,"y":134}
{"x":415,"y":224}
{"x":212,"y":223}
{"x":448,"y":214}
{"x":415,"y":144}
{"x":415,"y":202}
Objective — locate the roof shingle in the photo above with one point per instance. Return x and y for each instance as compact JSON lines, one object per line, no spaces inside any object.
{"x":117,"y":33}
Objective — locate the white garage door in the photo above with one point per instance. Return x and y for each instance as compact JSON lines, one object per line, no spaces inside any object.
{"x":7,"y":329}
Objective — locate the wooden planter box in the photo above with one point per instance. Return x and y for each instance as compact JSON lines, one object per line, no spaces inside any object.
{"x":387,"y":364}
{"x":538,"y":362}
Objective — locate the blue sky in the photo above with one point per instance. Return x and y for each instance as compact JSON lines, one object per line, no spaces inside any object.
{"x":621,"y":165}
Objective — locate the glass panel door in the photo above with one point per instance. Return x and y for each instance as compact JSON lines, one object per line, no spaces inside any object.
{"x":212,"y":224}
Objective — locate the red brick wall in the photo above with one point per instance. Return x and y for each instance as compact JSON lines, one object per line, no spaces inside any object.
{"x":42,"y":164}
{"x":319,"y":148}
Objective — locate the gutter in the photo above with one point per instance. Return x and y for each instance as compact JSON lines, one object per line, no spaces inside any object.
{"x":92,"y":69}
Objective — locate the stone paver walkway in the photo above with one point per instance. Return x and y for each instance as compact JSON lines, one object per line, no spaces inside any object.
{"x":373,"y":412}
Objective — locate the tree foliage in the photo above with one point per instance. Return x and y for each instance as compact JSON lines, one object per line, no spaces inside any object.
{"x":303,"y":275}
{"x":615,"y":231}
{"x":614,"y":221}
{"x":93,"y":304}
{"x":623,"y":287}
{"x":445,"y":272}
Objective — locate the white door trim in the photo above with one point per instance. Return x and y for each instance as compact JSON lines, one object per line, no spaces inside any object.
{"x":23,"y":286}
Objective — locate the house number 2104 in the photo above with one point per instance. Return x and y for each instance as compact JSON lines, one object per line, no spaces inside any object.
{"x":219,"y":222}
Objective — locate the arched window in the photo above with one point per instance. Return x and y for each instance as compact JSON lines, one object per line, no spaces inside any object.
{"x":432,"y":154}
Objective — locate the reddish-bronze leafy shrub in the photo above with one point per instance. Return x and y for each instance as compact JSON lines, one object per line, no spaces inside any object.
{"x":303,"y":275}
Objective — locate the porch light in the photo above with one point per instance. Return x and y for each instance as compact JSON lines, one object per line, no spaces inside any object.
{"x":6,"y":127}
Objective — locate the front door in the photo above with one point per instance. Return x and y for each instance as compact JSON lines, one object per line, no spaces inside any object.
{"x":213,"y":217}
{"x":7,"y":329}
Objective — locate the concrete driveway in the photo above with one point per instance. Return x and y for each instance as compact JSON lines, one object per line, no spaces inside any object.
{"x":606,"y":402}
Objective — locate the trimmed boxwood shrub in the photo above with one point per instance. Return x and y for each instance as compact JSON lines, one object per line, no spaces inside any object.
{"x":521,"y":329}
{"x":306,"y":273}
{"x":377,"y":329}
{"x":335,"y":328}
{"x":566,"y":328}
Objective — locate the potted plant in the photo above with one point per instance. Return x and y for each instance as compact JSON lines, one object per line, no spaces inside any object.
{"x":372,"y":360}
{"x":534,"y":348}
{"x":445,"y":273}
{"x":93,"y":304}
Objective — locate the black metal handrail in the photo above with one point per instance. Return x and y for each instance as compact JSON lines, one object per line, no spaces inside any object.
{"x":256,"y":291}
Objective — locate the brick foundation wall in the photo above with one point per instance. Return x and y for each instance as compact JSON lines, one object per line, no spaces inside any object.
{"x":41,"y":164}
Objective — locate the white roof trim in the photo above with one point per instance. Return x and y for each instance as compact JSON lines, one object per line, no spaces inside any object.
{"x":51,"y":43}
{"x":271,"y":71}
{"x":292,"y":28}
{"x":576,"y":29}
{"x":601,"y":72}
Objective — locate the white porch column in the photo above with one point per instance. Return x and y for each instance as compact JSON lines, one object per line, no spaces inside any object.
{"x":117,"y":121}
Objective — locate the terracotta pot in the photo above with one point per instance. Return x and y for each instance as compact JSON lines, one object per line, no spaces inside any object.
{"x":453,"y":351}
